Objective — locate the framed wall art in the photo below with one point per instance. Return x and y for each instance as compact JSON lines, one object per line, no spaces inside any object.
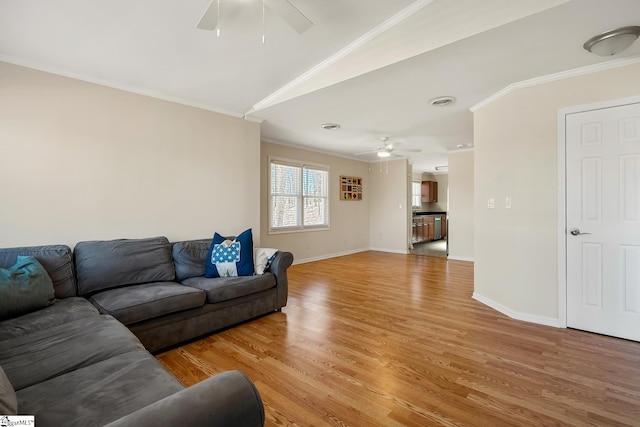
{"x":350,"y":188}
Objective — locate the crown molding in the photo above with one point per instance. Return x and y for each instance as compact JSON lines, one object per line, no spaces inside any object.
{"x":253,"y":119}
{"x":116,"y":85}
{"x":602,"y":66}
{"x":342,"y":53}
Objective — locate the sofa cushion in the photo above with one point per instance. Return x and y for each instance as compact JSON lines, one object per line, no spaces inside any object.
{"x":226,"y":399}
{"x":56,"y":259}
{"x":228,"y":258}
{"x":61,"y":311}
{"x":141,"y":302}
{"x":8,"y":399}
{"x":37,"y":357}
{"x":109,"y":264}
{"x":221,"y":289}
{"x":24,"y":287}
{"x":99,"y":393}
{"x":190,"y":257}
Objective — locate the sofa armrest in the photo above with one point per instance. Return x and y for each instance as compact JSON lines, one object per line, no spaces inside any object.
{"x":226,"y":399}
{"x":278,"y":267}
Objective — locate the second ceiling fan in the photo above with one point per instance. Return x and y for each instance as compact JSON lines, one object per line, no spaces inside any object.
{"x":388,"y":148}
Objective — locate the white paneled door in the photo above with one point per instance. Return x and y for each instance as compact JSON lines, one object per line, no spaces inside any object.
{"x":603,"y":221}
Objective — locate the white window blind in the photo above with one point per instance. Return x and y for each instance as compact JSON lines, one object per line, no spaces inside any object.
{"x":299,"y":196}
{"x":416,"y":194}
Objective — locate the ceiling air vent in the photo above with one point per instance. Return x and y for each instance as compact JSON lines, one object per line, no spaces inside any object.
{"x":442,"y":101}
{"x":330,"y":126}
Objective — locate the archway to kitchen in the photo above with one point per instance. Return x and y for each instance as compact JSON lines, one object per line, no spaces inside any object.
{"x":429,"y":224}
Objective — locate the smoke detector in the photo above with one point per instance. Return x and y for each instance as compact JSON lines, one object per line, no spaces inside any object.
{"x":442,"y":101}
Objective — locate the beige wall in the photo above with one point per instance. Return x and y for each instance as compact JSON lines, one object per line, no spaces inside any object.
{"x":461,"y":205}
{"x":349,"y":220}
{"x":79,"y":161}
{"x":516,"y":156}
{"x":389,"y":210}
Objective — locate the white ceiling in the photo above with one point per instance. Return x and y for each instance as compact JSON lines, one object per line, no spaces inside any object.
{"x":369,"y":65}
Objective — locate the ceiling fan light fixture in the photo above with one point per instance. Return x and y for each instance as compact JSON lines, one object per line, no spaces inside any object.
{"x":210,"y":19}
{"x":330,"y":126}
{"x":384,"y":153}
{"x":442,"y":101}
{"x":613,"y":41}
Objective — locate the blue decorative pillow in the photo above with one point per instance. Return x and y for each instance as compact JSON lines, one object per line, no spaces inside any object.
{"x":24,"y":287}
{"x":230,"y":258}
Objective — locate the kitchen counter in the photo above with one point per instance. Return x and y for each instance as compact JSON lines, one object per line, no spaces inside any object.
{"x":428,"y":213}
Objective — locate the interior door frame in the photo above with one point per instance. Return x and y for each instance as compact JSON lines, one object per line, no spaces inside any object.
{"x":562,"y":193}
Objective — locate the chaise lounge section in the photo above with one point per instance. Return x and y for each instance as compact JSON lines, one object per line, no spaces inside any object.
{"x":85,"y":359}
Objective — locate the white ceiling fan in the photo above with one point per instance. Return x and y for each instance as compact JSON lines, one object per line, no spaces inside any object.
{"x":388,"y":148}
{"x":283,"y":8}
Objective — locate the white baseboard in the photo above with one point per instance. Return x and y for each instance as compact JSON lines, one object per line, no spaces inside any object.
{"x":461,"y":258}
{"x":355,"y":251}
{"x":393,"y":251}
{"x":327,"y":256}
{"x":532,"y":318}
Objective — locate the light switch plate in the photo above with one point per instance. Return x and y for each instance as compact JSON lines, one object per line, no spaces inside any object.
{"x":507,"y":203}
{"x":491,"y":203}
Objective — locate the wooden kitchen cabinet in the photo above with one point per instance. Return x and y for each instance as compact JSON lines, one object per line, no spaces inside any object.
{"x":419,"y":230}
{"x":428,"y":223}
{"x":429,"y":191}
{"x":423,"y":228}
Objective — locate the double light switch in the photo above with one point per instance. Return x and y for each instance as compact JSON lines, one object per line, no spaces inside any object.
{"x":491,"y":203}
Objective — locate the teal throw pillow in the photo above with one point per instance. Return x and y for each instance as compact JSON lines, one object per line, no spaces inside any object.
{"x":24,"y":287}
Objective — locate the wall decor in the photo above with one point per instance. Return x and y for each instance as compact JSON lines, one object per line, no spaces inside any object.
{"x":350,"y":188}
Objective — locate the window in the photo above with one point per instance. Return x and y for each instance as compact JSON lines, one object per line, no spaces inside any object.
{"x":416,"y":194}
{"x":298,"y":196}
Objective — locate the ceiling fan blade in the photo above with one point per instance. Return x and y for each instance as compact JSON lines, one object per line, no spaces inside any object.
{"x":366,"y":152}
{"x":209,"y":20}
{"x":290,"y":14}
{"x":410,"y":150}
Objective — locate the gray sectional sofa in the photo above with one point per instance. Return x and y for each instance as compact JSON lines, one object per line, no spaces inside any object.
{"x":85,"y":359}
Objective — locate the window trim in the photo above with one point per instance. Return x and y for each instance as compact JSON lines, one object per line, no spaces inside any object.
{"x":302,"y":165}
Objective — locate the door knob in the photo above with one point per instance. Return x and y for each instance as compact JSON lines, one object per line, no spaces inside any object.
{"x":576,"y":232}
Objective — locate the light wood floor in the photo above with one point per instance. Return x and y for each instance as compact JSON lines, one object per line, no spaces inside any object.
{"x":396,"y":340}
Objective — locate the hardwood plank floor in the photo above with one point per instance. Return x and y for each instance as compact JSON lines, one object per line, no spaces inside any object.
{"x":379,"y":339}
